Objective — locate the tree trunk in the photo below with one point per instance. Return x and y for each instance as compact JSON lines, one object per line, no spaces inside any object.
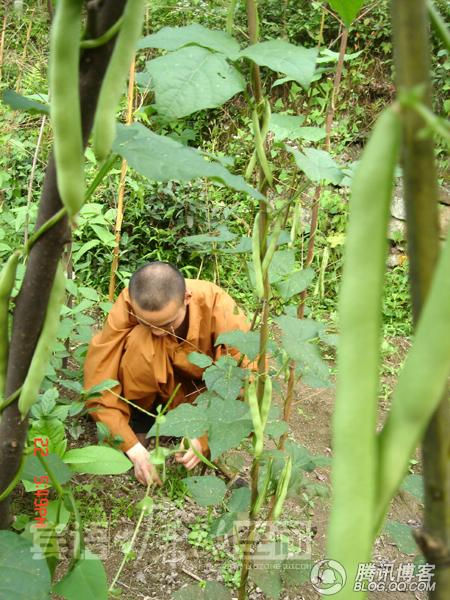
{"x":32,"y":300}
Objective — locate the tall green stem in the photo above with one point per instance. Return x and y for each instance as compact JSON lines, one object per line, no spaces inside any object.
{"x":411,"y":53}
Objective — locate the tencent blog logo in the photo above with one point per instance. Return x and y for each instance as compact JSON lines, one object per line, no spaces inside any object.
{"x":328,"y":577}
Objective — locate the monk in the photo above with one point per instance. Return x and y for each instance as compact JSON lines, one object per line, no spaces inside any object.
{"x":152,"y":327}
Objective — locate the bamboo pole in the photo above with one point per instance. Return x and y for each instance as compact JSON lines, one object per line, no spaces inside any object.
{"x":2,"y":42}
{"x":120,"y":203}
{"x":412,"y":61}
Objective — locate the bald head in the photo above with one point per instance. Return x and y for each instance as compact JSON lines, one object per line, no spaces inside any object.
{"x":156,"y":284}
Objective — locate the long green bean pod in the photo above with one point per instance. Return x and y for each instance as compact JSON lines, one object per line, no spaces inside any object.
{"x":419,"y":388}
{"x":273,"y":245}
{"x":282,"y":488}
{"x":104,"y":129}
{"x":267,"y":401}
{"x":256,"y":256}
{"x":256,"y":418}
{"x":259,"y":147}
{"x":263,"y":491}
{"x":42,"y":352}
{"x":7,"y":279}
{"x":65,"y":111}
{"x":354,"y":421}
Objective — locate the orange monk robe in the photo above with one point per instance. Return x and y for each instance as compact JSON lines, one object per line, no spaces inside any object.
{"x":148,"y":366}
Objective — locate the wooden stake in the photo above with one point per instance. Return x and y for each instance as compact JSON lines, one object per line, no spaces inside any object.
{"x":123,"y":172}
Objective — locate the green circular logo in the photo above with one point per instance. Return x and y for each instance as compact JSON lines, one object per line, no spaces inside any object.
{"x":328,"y":577}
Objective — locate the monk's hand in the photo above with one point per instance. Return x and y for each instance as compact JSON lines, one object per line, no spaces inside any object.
{"x":188,"y":458}
{"x":144,"y":470}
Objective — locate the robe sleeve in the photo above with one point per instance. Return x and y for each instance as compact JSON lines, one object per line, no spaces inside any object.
{"x":102,"y":362}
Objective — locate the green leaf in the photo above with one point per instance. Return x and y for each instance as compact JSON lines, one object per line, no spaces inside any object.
{"x":86,"y":580}
{"x":285,"y":126}
{"x":294,"y":61}
{"x":172,"y":38}
{"x":282,"y":265}
{"x":89,"y":293}
{"x":222,"y":525}
{"x":296,"y":282}
{"x":402,"y":536}
{"x":296,"y":570}
{"x":247,"y":342}
{"x":296,"y":330}
{"x":160,"y":158}
{"x":207,"y":490}
{"x":240,"y":500}
{"x":228,"y":424}
{"x":288,"y":127}
{"x":185,"y":420}
{"x":414,"y":485}
{"x":346,"y":9}
{"x":224,"y":378}
{"x":317,"y":165}
{"x":276,"y":429}
{"x":200,"y":360}
{"x":53,"y":430}
{"x":96,"y":390}
{"x":33,"y":468}
{"x":24,"y":575}
{"x":213,"y":590}
{"x":189,"y":80}
{"x":99,"y":460}
{"x":223,"y":437}
{"x":85,"y":248}
{"x":220,"y":235}
{"x":267,"y":561}
{"x":18,"y":102}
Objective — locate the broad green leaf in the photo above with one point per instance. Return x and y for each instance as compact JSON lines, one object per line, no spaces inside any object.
{"x":276,"y":428}
{"x":283,"y":263}
{"x":160,"y":158}
{"x":33,"y":468}
{"x":327,"y":56}
{"x":172,"y":38}
{"x":288,"y":127}
{"x":267,"y":560}
{"x":222,"y":525}
{"x":285,"y":126}
{"x":89,"y":293}
{"x":99,"y":460}
{"x":314,"y":370}
{"x":296,"y":330}
{"x":85,"y":248}
{"x":220,"y":235}
{"x":346,"y":9}
{"x":240,"y":500}
{"x":317,"y":165}
{"x":107,"y":384}
{"x":244,"y":245}
{"x":247,"y":342}
{"x":207,"y":490}
{"x":200,"y":360}
{"x":86,"y":580}
{"x":402,"y":536}
{"x":53,"y":430}
{"x":185,"y":420}
{"x":104,"y":235}
{"x":228,"y":424}
{"x":224,"y":378}
{"x":296,"y":570}
{"x":213,"y":590}
{"x":414,"y":485}
{"x":189,"y":80}
{"x":296,"y":282}
{"x":224,"y":436}
{"x":280,"y":56}
{"x":24,"y":575}
{"x":52,"y":512}
{"x":18,"y":102}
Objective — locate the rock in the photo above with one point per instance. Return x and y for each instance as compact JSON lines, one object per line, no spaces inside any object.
{"x":398,"y":206}
{"x":396,"y":228}
{"x":444,"y":219}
